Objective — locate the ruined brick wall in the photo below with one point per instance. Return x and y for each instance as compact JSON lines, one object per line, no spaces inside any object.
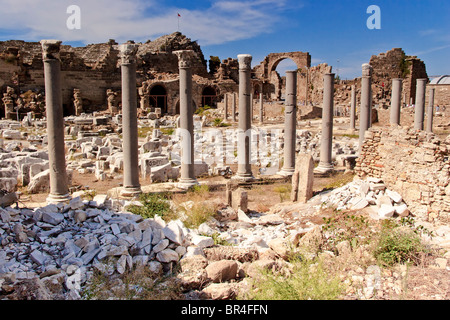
{"x":441,"y":94}
{"x":413,"y":163}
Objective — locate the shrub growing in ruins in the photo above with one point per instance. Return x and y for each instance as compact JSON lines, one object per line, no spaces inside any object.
{"x":346,"y":226}
{"x":398,"y":244}
{"x":309,"y":280}
{"x":154,"y":204}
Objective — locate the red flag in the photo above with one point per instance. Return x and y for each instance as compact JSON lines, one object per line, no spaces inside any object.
{"x":179,"y":15}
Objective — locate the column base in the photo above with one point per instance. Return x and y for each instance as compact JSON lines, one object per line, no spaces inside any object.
{"x":324,"y":168}
{"x":130,"y":192}
{"x":58,"y":198}
{"x":286,"y":172}
{"x":187,"y":183}
{"x":246,"y":177}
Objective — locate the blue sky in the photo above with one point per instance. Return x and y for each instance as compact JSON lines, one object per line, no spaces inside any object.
{"x":330,"y":31}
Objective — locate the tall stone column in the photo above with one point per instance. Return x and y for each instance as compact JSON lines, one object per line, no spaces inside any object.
{"x":325,"y":163}
{"x":419,"y":113}
{"x":244,"y":171}
{"x":59,"y":190}
{"x":430,"y":111}
{"x":364,"y":116}
{"x":261,"y":109}
{"x":251,"y":107}
{"x":396,"y":98}
{"x":353,"y":108}
{"x":187,"y":178}
{"x":290,"y":124}
{"x":233,"y":107}
{"x":131,"y":186}
{"x":225,"y":106}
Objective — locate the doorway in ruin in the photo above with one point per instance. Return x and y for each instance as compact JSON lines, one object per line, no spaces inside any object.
{"x":278,"y":77}
{"x":256,"y":90}
{"x":158,"y":98}
{"x":209,"y":97}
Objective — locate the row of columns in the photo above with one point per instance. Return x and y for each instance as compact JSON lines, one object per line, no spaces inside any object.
{"x":233,"y":107}
{"x":131,"y":186}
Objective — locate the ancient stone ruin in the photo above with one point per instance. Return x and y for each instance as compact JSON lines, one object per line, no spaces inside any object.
{"x":89,"y":132}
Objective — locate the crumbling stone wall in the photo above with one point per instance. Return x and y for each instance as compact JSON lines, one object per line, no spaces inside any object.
{"x":413,"y":163}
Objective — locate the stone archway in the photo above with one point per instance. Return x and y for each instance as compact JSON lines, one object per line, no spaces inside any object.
{"x":301,"y":59}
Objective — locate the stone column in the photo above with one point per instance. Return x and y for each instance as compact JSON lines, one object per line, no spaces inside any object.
{"x":59,"y":190}
{"x":396,"y":98}
{"x":430,"y":111}
{"x":244,"y":171}
{"x":251,"y":107}
{"x":187,"y":178}
{"x":325,"y":163}
{"x":364,"y":116}
{"x":353,"y":108}
{"x":419,"y":113}
{"x":131,"y":186}
{"x":261,"y":109}
{"x":290,"y":124}
{"x":225,"y":106}
{"x":233,"y":107}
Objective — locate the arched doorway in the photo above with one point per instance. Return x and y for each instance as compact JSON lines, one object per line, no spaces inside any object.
{"x":158,"y":98}
{"x":277,"y":76}
{"x":209,"y":97}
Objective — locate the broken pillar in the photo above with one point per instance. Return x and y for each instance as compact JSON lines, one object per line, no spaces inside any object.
{"x":239,"y":199}
{"x":364,"y":116}
{"x":131,"y":185}
{"x":187,"y":179}
{"x":290,"y":124}
{"x":225,"y":106}
{"x":233,"y":107}
{"x":244,"y":171}
{"x":325,"y":163}
{"x":303,"y":178}
{"x":353,"y":108}
{"x":59,"y":190}
{"x":396,"y":98}
{"x":419,"y":113}
{"x":430,"y":110}
{"x":261,"y":108}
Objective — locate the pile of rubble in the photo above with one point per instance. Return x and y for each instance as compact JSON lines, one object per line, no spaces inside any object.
{"x":372,"y":194}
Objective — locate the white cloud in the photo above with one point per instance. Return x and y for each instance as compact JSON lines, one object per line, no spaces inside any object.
{"x":139,"y":20}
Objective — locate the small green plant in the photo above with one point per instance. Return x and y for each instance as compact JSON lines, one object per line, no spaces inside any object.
{"x":398,"y":244}
{"x":309,"y":280}
{"x":346,"y":226}
{"x":199,"y":213}
{"x":154,"y":204}
{"x":201,"y":110}
{"x":202,"y":189}
{"x":168,"y":131}
{"x":219,"y":241}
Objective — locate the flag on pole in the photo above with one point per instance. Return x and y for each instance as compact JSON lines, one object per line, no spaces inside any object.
{"x":179,"y":15}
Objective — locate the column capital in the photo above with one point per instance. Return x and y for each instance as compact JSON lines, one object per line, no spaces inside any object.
{"x":50,"y":49}
{"x":245,"y":61}
{"x":128,"y":52}
{"x":367,"y":70}
{"x":185,"y":58}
